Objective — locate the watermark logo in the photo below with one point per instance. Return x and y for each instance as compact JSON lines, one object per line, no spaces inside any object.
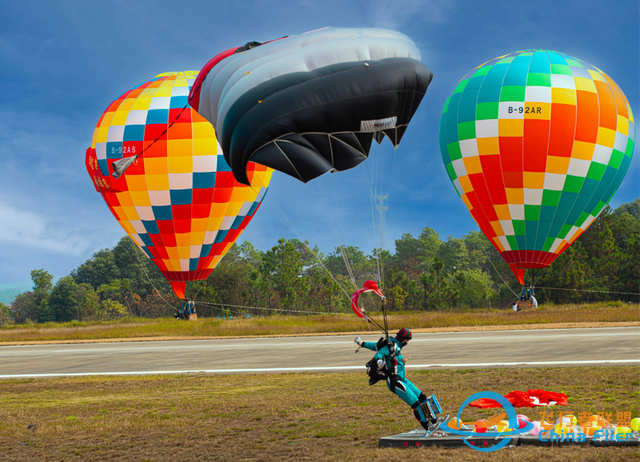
{"x":511,"y":414}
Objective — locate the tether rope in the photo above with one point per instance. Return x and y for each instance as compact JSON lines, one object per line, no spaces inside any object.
{"x":135,"y":250}
{"x":494,"y":268}
{"x":587,"y":290}
{"x":267,"y":309}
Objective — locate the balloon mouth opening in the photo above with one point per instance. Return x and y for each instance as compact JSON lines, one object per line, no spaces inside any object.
{"x":179,"y":288}
{"x":518,"y":273}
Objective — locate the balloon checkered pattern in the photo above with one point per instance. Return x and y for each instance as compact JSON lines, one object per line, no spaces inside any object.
{"x":536,"y":143}
{"x":178,"y":201}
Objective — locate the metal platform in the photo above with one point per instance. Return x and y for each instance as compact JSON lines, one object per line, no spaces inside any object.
{"x":419,"y":438}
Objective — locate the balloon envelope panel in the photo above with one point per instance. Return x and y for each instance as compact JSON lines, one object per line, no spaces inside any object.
{"x":178,"y":201}
{"x":536,"y":143}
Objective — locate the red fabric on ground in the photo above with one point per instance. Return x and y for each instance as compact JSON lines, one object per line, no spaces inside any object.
{"x":531,"y":398}
{"x":547,"y":396}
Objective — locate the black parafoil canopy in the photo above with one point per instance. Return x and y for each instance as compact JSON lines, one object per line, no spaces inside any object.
{"x":312,"y":103}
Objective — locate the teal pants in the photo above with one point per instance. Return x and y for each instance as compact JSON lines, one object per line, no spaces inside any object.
{"x":407,"y":391}
{"x":411,"y":395}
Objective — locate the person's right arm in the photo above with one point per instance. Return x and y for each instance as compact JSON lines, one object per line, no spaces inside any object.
{"x":373,"y":346}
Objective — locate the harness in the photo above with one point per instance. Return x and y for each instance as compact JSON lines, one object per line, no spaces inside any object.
{"x":376,"y":374}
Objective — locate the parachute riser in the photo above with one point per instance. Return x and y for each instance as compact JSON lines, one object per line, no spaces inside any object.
{"x":385,"y":329}
{"x":371,"y":321}
{"x":384,"y":315}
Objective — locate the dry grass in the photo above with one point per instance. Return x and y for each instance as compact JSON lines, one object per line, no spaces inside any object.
{"x":609,"y":312}
{"x":326,"y":417}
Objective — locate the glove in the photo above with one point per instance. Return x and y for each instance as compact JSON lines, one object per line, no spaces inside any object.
{"x":381,"y":364}
{"x":359,"y":341}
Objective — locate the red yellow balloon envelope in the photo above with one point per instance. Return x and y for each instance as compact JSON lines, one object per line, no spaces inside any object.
{"x":176,"y":196}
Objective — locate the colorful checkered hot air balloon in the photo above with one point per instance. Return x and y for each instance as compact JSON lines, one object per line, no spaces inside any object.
{"x":160,"y":171}
{"x":536,"y":143}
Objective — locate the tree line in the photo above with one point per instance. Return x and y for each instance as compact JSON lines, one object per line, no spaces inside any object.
{"x":423,"y":273}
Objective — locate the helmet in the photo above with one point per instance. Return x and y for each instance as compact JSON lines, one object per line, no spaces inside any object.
{"x":403,"y":334}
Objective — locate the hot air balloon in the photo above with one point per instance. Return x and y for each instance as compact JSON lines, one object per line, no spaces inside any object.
{"x":536,"y":143}
{"x":311,"y":103}
{"x":157,"y":165}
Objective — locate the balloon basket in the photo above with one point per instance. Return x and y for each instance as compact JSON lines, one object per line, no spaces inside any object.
{"x":193,"y":316}
{"x":523,"y":305}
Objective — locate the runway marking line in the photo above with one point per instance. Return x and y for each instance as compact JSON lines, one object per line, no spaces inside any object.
{"x":326,"y":369}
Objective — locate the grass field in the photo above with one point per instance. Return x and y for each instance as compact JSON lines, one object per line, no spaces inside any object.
{"x":306,"y":416}
{"x":609,"y":312}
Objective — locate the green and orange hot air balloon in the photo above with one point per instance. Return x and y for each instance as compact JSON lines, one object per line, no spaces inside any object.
{"x":536,"y":143}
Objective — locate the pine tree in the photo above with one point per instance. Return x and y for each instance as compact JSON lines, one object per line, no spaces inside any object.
{"x":42,"y":284}
{"x":63,"y":300}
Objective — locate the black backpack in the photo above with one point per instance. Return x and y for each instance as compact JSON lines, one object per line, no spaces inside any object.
{"x":375,"y":374}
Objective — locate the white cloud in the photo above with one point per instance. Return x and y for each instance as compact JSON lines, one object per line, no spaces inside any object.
{"x":393,"y":14}
{"x":27,"y":228}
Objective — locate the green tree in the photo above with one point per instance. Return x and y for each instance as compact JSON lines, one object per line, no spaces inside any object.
{"x":418,"y":252}
{"x":111,"y":309}
{"x":230,"y":283}
{"x":88,"y":301}
{"x":630,"y":269}
{"x":479,"y":247}
{"x":249,"y":254}
{"x":133,"y":264}
{"x":42,"y":284}
{"x":282,"y":270}
{"x":632,"y":208}
{"x":447,"y":294}
{"x":474,"y":287}
{"x":397,"y":296}
{"x":413,"y":294}
{"x":311,"y":257}
{"x":428,"y":282}
{"x":100,"y":269}
{"x":120,"y":291}
{"x":350,"y":261}
{"x":256,"y":285}
{"x":5,"y":315}
{"x":326,"y":293}
{"x":607,"y":260}
{"x":437,"y":270}
{"x":569,"y":271}
{"x":454,"y":254}
{"x":25,"y":308}
{"x":63,"y":300}
{"x":624,"y":226}
{"x":115,"y":289}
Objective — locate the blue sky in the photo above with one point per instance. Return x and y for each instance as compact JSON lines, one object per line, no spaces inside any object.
{"x":63,"y":62}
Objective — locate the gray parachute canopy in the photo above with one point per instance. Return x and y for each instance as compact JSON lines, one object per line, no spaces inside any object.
{"x":311,"y":103}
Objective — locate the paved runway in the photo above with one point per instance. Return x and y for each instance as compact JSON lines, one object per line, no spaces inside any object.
{"x":527,"y":348}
